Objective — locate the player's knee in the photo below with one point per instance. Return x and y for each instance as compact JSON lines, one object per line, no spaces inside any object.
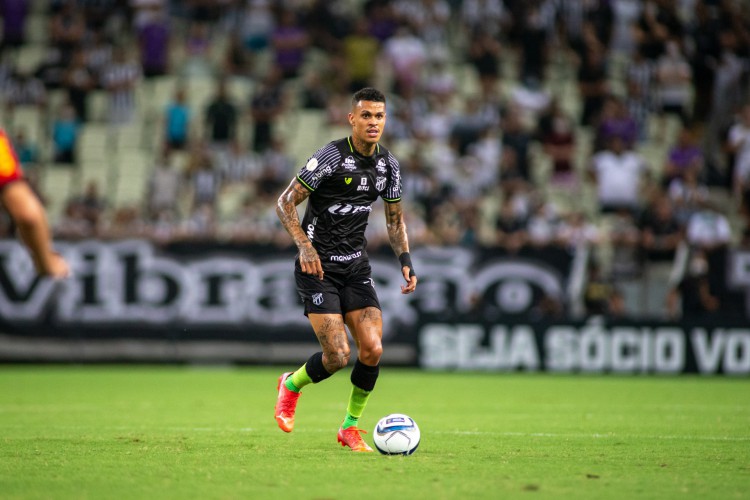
{"x":370,"y":355}
{"x":337,"y":360}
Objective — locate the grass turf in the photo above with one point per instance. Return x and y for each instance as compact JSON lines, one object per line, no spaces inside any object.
{"x":181,"y":432}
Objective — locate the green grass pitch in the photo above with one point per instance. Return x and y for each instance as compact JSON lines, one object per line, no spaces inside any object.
{"x":195,"y":432}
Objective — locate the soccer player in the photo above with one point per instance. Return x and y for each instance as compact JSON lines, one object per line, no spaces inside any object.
{"x":27,"y":213}
{"x":340,"y":182}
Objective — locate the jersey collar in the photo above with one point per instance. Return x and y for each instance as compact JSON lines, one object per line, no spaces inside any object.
{"x":351,"y":148}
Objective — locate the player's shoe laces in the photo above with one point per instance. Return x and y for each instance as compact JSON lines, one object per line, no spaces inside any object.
{"x":350,"y":437}
{"x":286,"y":404}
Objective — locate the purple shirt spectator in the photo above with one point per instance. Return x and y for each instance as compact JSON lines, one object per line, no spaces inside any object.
{"x":290,"y":42}
{"x":382,"y":23}
{"x":683,"y":157}
{"x":623,"y":127}
{"x":14,"y":21}
{"x":154,"y":41}
{"x":615,"y":122}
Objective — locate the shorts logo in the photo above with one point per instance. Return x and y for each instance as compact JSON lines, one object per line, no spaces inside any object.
{"x":348,"y":180}
{"x":317,"y":298}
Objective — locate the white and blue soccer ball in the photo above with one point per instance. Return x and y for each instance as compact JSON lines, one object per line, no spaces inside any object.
{"x":396,"y":434}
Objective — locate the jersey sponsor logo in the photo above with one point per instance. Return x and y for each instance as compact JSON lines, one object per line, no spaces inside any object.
{"x":348,"y":180}
{"x":312,"y":164}
{"x":346,"y":209}
{"x":381,"y":166}
{"x":317,"y":298}
{"x":363,"y":185}
{"x":311,"y":229}
{"x":345,"y":258}
{"x":349,"y":163}
{"x":325,"y":171}
{"x":380,"y":183}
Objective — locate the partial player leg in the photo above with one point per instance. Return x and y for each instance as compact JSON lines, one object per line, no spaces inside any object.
{"x":366,"y":326}
{"x":286,"y":404}
{"x":331,"y":333}
{"x":320,"y":366}
{"x":289,"y":387}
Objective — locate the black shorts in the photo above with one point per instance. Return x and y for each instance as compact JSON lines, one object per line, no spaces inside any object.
{"x":337,"y":293}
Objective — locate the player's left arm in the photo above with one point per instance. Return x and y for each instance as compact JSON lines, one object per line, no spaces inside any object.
{"x":31,"y":220}
{"x":394,"y":221}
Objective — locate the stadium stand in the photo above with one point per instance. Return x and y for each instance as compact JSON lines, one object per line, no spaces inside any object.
{"x":121,"y":157}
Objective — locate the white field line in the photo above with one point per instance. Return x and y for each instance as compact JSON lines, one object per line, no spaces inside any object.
{"x":551,"y":435}
{"x":663,"y":437}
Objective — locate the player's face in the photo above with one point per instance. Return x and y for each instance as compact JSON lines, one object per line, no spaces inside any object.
{"x":368,"y":120}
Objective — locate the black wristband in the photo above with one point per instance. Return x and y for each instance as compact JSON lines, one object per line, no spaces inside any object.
{"x":405,"y":260}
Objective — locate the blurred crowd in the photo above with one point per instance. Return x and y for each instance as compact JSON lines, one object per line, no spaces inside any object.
{"x":621,"y":125}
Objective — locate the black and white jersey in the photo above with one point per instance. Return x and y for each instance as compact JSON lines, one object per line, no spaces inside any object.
{"x":343,"y":186}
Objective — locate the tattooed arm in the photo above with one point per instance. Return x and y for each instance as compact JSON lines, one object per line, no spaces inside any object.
{"x":394,"y":221}
{"x":286,"y":209}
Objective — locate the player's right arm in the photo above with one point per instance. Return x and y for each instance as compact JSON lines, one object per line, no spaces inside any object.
{"x":286,"y":209}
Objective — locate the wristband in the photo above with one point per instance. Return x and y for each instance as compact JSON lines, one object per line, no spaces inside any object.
{"x":405,"y":260}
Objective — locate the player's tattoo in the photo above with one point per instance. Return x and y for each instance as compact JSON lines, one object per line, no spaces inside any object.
{"x":394,"y":221}
{"x":369,"y":314}
{"x":307,"y":253}
{"x":286,"y":209}
{"x":363,"y":147}
{"x":332,"y":338}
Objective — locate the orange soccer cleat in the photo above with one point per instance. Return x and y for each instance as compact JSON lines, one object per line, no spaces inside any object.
{"x":350,"y":437}
{"x":286,"y":404}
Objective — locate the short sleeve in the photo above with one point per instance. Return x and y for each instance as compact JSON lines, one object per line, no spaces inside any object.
{"x":319,"y":167}
{"x":393,"y":187}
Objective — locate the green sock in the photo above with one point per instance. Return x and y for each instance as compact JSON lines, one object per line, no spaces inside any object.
{"x":297,"y":380}
{"x":357,"y":401}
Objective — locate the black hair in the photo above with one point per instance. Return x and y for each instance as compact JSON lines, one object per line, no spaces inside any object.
{"x":368,"y":94}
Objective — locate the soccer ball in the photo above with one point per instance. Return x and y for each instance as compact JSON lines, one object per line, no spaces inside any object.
{"x":396,"y":434}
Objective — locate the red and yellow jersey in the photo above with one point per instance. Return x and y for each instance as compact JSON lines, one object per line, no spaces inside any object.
{"x":10,"y":167}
